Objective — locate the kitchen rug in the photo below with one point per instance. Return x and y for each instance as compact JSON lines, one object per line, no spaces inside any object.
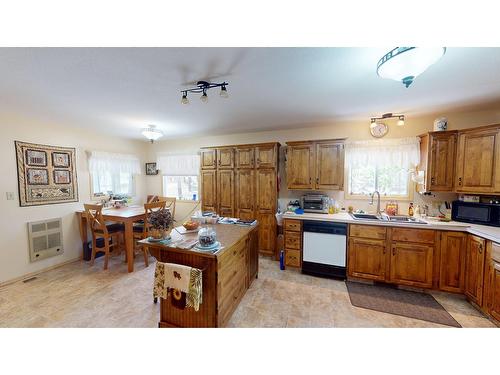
{"x":406,"y":303}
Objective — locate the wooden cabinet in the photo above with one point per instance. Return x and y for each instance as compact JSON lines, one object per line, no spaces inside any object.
{"x":329,"y":166}
{"x":267,"y":233}
{"x":208,"y":159}
{"x":491,"y":294}
{"x":478,"y":160}
{"x":225,"y":157}
{"x":437,"y":160}
{"x":293,"y":242}
{"x":266,"y":156}
{"x":245,"y":157}
{"x":411,"y":264}
{"x":225,"y":192}
{"x":452,"y":261}
{"x":300,"y":166}
{"x":474,"y":269}
{"x":367,"y":258}
{"x":266,"y":190}
{"x":253,"y":256}
{"x":245,"y":194}
{"x":209,"y":190}
{"x":315,"y":165}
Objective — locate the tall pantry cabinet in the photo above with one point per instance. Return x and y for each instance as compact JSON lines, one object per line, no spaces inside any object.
{"x":241,"y":181}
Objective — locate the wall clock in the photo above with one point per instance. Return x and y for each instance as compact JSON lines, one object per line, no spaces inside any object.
{"x":379,"y":130}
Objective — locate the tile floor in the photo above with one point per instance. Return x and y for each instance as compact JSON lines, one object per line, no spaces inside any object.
{"x":77,"y":295}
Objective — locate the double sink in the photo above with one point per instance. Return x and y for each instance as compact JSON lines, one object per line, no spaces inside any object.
{"x":386,"y":218}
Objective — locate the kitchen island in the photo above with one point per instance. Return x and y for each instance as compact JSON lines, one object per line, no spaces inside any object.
{"x":227,"y":274}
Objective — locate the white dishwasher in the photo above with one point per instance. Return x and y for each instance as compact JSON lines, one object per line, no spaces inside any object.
{"x":324,"y":249}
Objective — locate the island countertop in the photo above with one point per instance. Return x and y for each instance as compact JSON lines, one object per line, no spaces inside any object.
{"x":226,"y":274}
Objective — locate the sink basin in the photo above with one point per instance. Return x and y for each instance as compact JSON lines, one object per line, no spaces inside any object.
{"x":365,"y":216}
{"x":394,"y":219}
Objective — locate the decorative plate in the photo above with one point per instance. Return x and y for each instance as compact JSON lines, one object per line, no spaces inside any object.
{"x":151,"y":239}
{"x":212,"y":247}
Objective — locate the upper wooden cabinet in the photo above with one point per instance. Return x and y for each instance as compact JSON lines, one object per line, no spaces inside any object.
{"x":478,"y":160}
{"x":245,"y":194}
{"x":225,"y":192}
{"x":225,"y":157}
{"x":245,"y":157}
{"x":209,"y":190}
{"x":208,"y":159}
{"x":437,"y":160}
{"x":266,"y":156}
{"x":315,"y":165}
{"x":474,"y":269}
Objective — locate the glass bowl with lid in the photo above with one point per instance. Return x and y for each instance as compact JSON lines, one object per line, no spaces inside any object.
{"x":207,"y":236}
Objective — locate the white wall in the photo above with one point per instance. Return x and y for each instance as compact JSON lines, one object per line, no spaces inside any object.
{"x":14,"y":248}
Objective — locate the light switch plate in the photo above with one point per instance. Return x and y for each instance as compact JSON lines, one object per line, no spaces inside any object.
{"x":10,"y":196}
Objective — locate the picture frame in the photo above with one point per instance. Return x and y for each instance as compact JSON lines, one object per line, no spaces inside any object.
{"x":151,"y":169}
{"x":62,"y":176}
{"x":61,"y":160}
{"x":36,"y":158}
{"x":37,"y":176}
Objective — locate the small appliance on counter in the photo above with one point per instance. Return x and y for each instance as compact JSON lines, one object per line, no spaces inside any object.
{"x":315,"y":203}
{"x":476,"y":213}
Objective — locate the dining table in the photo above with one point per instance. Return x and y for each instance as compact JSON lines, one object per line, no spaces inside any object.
{"x":127,"y":216}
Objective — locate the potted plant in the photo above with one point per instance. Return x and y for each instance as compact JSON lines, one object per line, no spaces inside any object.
{"x":160,"y":224}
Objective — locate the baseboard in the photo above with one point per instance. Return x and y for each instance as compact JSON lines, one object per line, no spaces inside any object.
{"x":29,"y":275}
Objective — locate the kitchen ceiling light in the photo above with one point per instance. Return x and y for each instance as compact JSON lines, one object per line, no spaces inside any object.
{"x":152,"y":133}
{"x":405,"y":63}
{"x":202,"y":88}
{"x":401,"y":121}
{"x":373,"y":123}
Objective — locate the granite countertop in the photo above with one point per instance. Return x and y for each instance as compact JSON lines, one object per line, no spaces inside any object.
{"x":491,"y":233}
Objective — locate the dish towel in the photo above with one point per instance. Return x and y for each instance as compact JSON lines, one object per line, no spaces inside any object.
{"x":182,"y":283}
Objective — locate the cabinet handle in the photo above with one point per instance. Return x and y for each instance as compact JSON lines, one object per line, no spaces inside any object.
{"x":432,"y":180}
{"x":310,"y":180}
{"x":219,"y":161}
{"x":460,"y":181}
{"x":480,"y":249}
{"x":317,"y":180}
{"x":394,"y":250}
{"x":383,"y":251}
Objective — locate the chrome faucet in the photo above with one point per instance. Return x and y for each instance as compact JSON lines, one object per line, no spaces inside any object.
{"x":378,"y":201}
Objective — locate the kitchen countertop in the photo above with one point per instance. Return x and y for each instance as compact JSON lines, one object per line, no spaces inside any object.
{"x":490,"y":233}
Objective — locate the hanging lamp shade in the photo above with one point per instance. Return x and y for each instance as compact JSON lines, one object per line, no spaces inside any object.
{"x":404,"y":64}
{"x":151,"y":133}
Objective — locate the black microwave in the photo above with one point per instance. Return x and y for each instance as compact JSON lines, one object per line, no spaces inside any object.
{"x":476,"y":213}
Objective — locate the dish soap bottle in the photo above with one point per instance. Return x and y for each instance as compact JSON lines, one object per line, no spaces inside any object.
{"x":410,"y":209}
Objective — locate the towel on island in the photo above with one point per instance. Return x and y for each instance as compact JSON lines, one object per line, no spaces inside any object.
{"x":182,"y":283}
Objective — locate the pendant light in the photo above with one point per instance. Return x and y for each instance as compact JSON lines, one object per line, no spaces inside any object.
{"x":223,"y":92}
{"x":184,"y":99}
{"x":204,"y":97}
{"x":404,"y":64}
{"x":152,"y":133}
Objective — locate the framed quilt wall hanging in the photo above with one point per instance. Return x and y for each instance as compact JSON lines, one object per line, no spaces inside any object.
{"x":46,"y":174}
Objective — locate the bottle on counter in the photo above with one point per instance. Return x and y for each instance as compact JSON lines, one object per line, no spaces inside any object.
{"x":410,"y":209}
{"x":331,"y":206}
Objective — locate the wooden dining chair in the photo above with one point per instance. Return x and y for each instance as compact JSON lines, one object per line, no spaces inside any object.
{"x":141,"y":231}
{"x":99,"y":229}
{"x":169,"y":204}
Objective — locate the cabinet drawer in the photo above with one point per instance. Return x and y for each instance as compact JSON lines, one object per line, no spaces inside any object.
{"x":292,"y":258}
{"x":231,"y":277}
{"x":293,"y":240}
{"x":229,"y":302}
{"x":413,"y":235}
{"x":231,"y":256}
{"x":292,"y":225}
{"x":495,"y":251}
{"x":367,"y":231}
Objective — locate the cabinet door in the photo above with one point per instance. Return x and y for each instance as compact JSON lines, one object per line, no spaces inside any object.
{"x":253,"y":256}
{"x":494,"y":306}
{"x":225,"y":158}
{"x":245,"y":194}
{"x":452,"y":263}
{"x":208,"y":159}
{"x":208,"y":190}
{"x":366,"y":258}
{"x":300,"y":166}
{"x":225,"y":192}
{"x":478,"y":162}
{"x":266,"y":190}
{"x":474,"y":269}
{"x":441,"y":162}
{"x":329,"y":166}
{"x":266,"y":156}
{"x":411,"y":264}
{"x":245,"y":157}
{"x":267,"y":233}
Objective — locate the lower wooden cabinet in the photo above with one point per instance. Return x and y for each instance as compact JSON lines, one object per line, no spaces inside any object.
{"x":474,"y":269}
{"x":367,"y":258}
{"x":411,"y":264}
{"x":492,"y":280}
{"x":292,"y":258}
{"x":452,"y":261}
{"x":293,"y":243}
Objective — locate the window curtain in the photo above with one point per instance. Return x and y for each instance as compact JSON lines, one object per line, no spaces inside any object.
{"x":404,"y":152}
{"x":179,"y":165}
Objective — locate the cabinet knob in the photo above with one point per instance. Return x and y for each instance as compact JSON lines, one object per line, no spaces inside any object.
{"x":480,"y":249}
{"x":394,"y":250}
{"x":432,"y":180}
{"x":310,"y":180}
{"x":317,"y":180}
{"x":460,"y":181}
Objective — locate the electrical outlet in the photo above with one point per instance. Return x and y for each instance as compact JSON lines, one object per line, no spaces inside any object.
{"x":10,"y":196}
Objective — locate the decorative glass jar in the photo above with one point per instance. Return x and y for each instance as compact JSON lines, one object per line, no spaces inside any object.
{"x":207,"y":236}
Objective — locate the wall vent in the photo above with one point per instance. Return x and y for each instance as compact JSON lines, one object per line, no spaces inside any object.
{"x":45,"y":238}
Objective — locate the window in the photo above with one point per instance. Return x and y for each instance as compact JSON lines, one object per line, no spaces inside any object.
{"x":113,"y":173}
{"x":381,"y":165}
{"x":181,"y":187}
{"x":180,"y":175}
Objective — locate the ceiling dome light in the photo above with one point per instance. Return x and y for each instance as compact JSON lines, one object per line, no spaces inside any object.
{"x":401,"y":121}
{"x":184,"y":99}
{"x":152,"y":133}
{"x":223,"y":92}
{"x":204,"y":97}
{"x":405,"y":63}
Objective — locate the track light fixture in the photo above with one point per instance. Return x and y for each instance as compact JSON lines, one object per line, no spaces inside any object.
{"x":203,"y":87}
{"x":401,"y":119}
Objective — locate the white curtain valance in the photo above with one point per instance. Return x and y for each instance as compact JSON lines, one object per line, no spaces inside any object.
{"x":404,"y":152}
{"x":179,"y":164}
{"x":105,"y":161}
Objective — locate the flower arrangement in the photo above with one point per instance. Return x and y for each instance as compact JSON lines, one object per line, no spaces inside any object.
{"x":160,"y":223}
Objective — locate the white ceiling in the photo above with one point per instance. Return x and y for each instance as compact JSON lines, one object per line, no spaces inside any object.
{"x":121,"y":90}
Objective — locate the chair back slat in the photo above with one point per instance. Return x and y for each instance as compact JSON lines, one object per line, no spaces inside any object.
{"x":94,"y":215}
{"x":169,"y":204}
{"x":149,"y":208}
